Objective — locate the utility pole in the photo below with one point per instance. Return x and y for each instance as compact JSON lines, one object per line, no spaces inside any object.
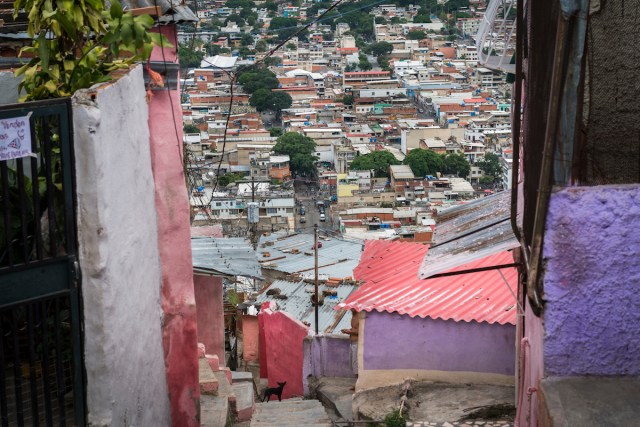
{"x":315,"y":254}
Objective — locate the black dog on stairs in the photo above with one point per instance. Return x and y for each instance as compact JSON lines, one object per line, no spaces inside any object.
{"x":274,"y":390}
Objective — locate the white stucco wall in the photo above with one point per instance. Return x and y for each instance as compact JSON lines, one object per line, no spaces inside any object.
{"x":121,"y":278}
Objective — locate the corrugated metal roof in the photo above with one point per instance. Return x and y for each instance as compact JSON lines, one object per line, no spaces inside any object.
{"x":9,"y":25}
{"x":173,"y":11}
{"x":228,"y":256}
{"x":336,"y":257}
{"x":390,"y":271}
{"x":469,"y":232}
{"x":298,"y":304}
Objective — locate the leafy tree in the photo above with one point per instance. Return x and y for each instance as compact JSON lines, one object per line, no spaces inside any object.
{"x":424,"y":162}
{"x":378,"y":161}
{"x":301,"y":151}
{"x":380,"y":49}
{"x":189,"y":58}
{"x":270,"y":5}
{"x":395,"y":20}
{"x":265,"y":100}
{"x":456,"y":164}
{"x":380,"y":20}
{"x":235,"y":18}
{"x":246,"y":40}
{"x":261,"y":46}
{"x":253,"y":80}
{"x":275,"y":132}
{"x":189,"y":128}
{"x":350,"y":67}
{"x":416,"y":35}
{"x":364,"y":63}
{"x":422,"y":19}
{"x":347,"y":99}
{"x":383,"y":62}
{"x":228,"y":178}
{"x":491,"y":167}
{"x":75,"y":45}
{"x":291,"y":46}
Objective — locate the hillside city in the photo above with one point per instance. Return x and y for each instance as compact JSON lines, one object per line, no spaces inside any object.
{"x":376,"y":107}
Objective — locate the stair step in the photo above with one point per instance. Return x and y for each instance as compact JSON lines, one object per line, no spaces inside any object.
{"x":213,"y":411}
{"x":307,"y":413}
{"x":209,"y":384}
{"x":240,"y":376}
{"x":242,"y":400}
{"x":224,"y":388}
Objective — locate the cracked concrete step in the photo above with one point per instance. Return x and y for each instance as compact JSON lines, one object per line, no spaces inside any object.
{"x":208,"y":382}
{"x":214,"y":411}
{"x":308,"y":413}
{"x":224,"y":388}
{"x":242,"y":400}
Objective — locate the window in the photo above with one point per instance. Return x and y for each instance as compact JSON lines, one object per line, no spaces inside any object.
{"x":272,"y":211}
{"x":233,"y":211}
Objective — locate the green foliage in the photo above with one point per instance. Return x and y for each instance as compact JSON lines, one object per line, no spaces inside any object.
{"x":380,"y":49}
{"x":275,"y":132}
{"x":190,"y":58}
{"x":189,"y":128}
{"x":416,"y":35}
{"x":456,"y":164}
{"x":261,"y":46}
{"x":253,"y":80}
{"x":380,"y":20}
{"x":77,"y":44}
{"x":350,"y":67}
{"x":452,"y":5}
{"x":424,"y":162}
{"x":301,"y":151}
{"x":235,"y":18}
{"x":364,"y":63}
{"x":291,"y":46}
{"x":347,"y":99}
{"x":246,"y":40}
{"x":422,"y":19}
{"x":378,"y":161}
{"x":395,"y":419}
{"x":228,"y":178}
{"x":265,"y":100}
{"x":273,"y":61}
{"x":491,"y":167}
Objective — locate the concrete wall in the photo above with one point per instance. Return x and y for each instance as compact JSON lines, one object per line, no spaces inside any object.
{"x":591,"y":282}
{"x":250,"y":339}
{"x":326,"y":356}
{"x":283,"y":347}
{"x":9,"y":84}
{"x":394,"y":346}
{"x":210,"y":314}
{"x":117,"y":234}
{"x":180,"y":338}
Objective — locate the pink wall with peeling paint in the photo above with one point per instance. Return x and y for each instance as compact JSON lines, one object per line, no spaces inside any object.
{"x":283,"y":342}
{"x":210,"y":312}
{"x":172,"y":204}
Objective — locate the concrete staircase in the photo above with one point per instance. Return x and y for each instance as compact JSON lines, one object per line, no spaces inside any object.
{"x":290,"y":413}
{"x":222,"y":399}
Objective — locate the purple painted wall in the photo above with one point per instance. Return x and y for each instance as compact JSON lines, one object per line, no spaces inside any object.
{"x":442,"y":345}
{"x":592,"y":282}
{"x":329,"y":356}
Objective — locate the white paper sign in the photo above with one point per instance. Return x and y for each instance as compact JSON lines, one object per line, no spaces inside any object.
{"x":15,"y":138}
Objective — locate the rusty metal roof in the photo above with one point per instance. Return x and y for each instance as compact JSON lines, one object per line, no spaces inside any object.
{"x":469,"y":232}
{"x":298,"y":304}
{"x":173,"y":11}
{"x":390,"y":272}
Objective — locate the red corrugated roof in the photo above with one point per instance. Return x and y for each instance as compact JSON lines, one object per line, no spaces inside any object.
{"x":390,"y":272}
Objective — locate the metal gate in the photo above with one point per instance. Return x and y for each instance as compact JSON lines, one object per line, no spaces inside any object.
{"x":41,"y":369}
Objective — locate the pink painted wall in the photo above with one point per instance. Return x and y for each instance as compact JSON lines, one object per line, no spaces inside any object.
{"x":210,"y":314}
{"x":284,"y":337}
{"x":250,"y":338}
{"x":179,"y":331}
{"x":532,"y":368}
{"x":262,"y":349}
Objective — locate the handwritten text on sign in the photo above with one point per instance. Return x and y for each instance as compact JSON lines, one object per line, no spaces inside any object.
{"x":15,"y":138}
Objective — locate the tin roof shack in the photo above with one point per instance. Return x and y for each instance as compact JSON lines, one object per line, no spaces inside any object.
{"x":457,"y":329}
{"x":288,"y":319}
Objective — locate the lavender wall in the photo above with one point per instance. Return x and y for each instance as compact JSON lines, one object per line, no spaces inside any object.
{"x":328,"y":356}
{"x":592,"y":282}
{"x":393,"y":341}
